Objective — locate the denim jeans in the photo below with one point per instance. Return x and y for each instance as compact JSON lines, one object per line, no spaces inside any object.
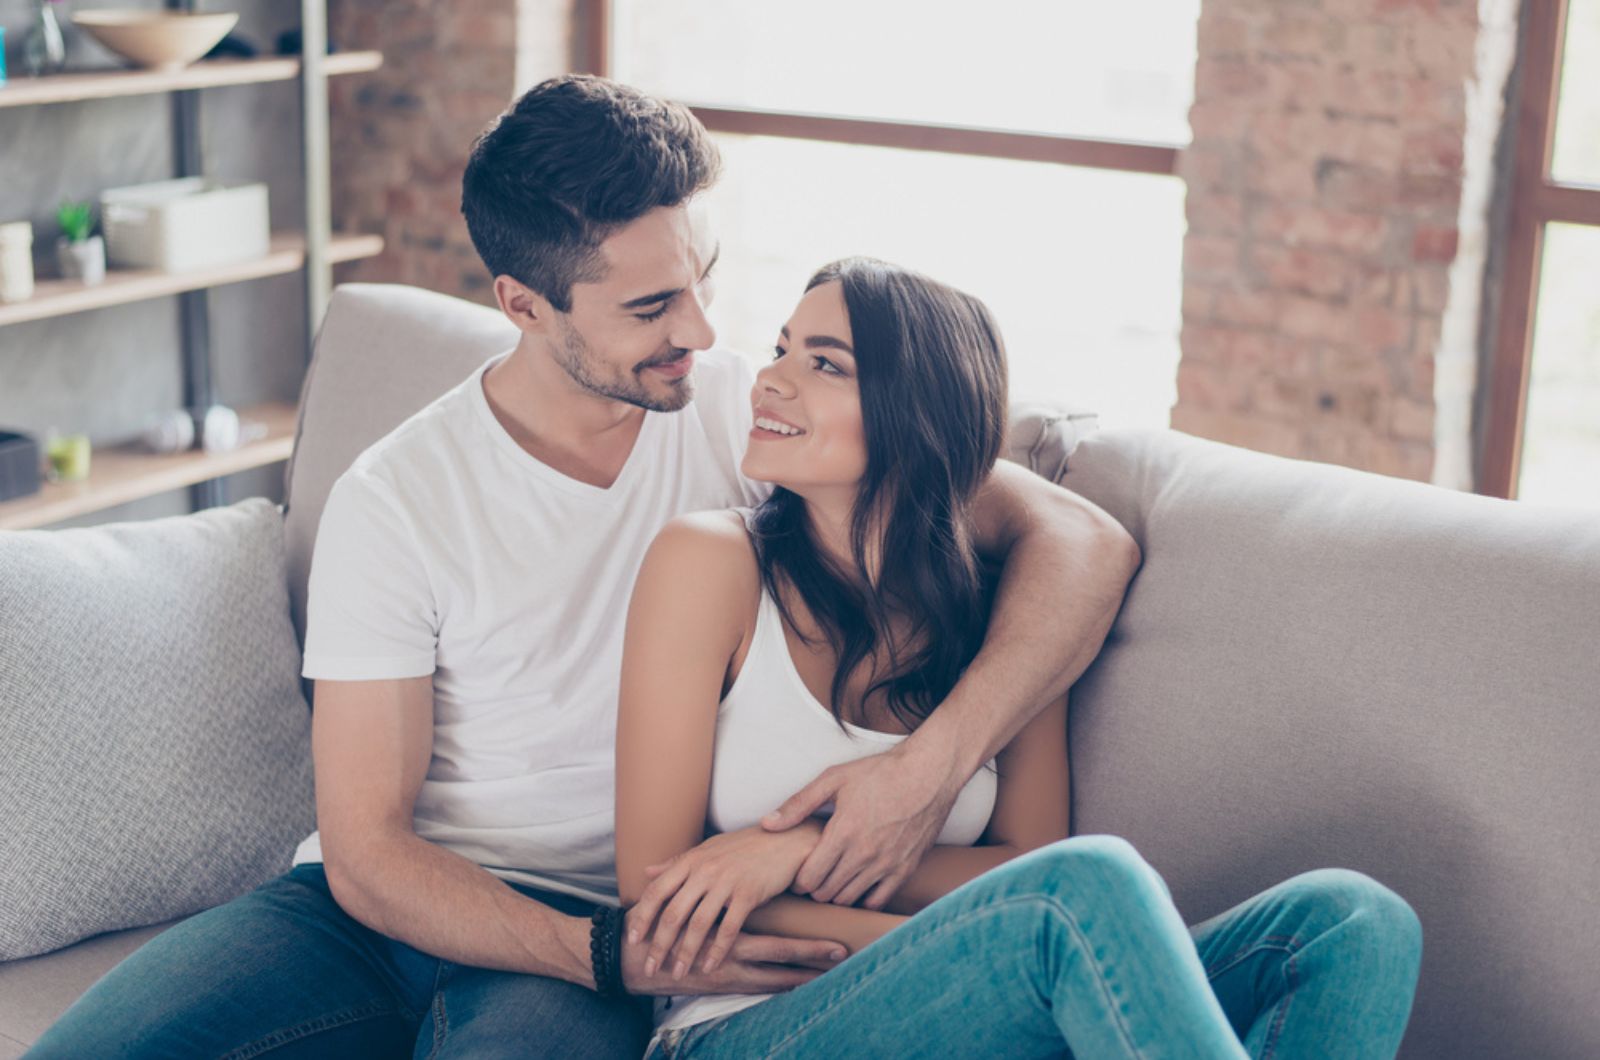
{"x":1076,"y":949}
{"x":284,"y":971}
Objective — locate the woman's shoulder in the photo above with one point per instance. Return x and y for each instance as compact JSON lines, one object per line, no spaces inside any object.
{"x":701,"y":574}
{"x":709,"y":542}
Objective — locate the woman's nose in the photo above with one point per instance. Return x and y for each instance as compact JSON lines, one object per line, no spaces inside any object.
{"x":770,"y":380}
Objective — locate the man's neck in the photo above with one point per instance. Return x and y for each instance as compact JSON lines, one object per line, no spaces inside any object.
{"x":556,"y":421}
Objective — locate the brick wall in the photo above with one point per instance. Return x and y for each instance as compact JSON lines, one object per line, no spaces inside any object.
{"x":401,"y":134}
{"x":1331,"y":245}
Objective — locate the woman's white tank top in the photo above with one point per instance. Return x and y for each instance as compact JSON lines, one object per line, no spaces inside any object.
{"x":773,"y":738}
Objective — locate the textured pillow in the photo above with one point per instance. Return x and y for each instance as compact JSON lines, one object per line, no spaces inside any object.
{"x":155,"y":745}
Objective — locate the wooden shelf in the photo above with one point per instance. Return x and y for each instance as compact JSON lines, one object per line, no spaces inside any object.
{"x":117,"y":476}
{"x":54,"y":298}
{"x":210,"y":73}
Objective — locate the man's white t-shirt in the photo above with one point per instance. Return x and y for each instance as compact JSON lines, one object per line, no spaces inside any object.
{"x":447,"y":549}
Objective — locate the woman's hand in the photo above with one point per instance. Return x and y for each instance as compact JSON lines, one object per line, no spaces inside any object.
{"x":728,"y":875}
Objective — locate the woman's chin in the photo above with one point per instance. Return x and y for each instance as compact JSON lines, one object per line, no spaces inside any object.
{"x":755,"y":469}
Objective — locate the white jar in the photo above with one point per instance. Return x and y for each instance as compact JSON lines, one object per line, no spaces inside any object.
{"x":16,"y":261}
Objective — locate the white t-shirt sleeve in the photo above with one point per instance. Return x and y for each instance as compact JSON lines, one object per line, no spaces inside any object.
{"x":370,"y":612}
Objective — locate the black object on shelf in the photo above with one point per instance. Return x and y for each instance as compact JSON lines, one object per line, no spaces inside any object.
{"x":234,"y":47}
{"x":289,"y":43}
{"x":19,"y":465}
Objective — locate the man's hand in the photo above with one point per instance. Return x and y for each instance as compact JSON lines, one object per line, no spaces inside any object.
{"x":888,"y":810}
{"x":726,"y":876}
{"x":756,"y":964}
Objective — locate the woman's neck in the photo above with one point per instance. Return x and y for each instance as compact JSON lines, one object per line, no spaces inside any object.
{"x":831,"y":517}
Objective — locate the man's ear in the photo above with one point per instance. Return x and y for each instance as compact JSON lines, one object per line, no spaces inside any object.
{"x":523,"y":306}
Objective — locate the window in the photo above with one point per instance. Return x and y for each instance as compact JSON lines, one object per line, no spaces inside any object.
{"x":1542,"y":433}
{"x":1021,"y":151}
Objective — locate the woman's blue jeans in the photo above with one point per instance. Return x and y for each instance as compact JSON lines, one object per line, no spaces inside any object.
{"x":284,"y":972}
{"x":1076,"y":949}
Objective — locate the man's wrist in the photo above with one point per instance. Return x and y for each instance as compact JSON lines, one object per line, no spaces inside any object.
{"x":941,"y":745}
{"x":572,"y":936}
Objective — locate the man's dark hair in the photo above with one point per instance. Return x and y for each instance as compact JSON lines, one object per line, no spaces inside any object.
{"x":573,"y":160}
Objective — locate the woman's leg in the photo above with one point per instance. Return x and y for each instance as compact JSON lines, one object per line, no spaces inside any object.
{"x":1324,"y":964}
{"x":1076,"y":945}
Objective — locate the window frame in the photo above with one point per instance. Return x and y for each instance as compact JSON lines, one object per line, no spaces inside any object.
{"x":1161,"y":159}
{"x":1536,"y":200}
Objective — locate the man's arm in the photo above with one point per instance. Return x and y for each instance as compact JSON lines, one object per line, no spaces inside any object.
{"x":371,"y":742}
{"x":1067,"y":565}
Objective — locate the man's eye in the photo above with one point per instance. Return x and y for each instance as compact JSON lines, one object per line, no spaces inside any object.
{"x":657,"y":315}
{"x":777,"y":352}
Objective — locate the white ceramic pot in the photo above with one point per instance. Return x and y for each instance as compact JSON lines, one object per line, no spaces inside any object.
{"x":84,"y":261}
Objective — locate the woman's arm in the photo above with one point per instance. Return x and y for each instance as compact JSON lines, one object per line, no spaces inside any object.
{"x":1031,"y":810}
{"x":692,"y":602}
{"x":683,"y":626}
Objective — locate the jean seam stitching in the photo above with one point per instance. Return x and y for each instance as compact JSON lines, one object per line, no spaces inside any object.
{"x":956,"y":921}
{"x":441,"y":1020}
{"x":1289,"y":944}
{"x":1270,"y":1047}
{"x":285,"y":1036}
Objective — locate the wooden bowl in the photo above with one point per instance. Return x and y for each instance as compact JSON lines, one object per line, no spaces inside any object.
{"x":159,"y":40}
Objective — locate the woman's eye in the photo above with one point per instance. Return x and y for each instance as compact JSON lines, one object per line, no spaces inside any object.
{"x":825,"y":366}
{"x":657,"y":315}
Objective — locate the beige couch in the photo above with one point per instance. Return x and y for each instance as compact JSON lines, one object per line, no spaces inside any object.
{"x":1314,"y":667}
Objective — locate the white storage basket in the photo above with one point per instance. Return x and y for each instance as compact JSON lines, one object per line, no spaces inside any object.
{"x":189,"y":223}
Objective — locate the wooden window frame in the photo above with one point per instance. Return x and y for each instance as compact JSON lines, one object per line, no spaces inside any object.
{"x":1536,"y":200}
{"x":593,"y":45}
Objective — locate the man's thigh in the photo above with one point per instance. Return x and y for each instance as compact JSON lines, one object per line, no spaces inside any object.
{"x":479,"y":1012}
{"x":282,"y":968}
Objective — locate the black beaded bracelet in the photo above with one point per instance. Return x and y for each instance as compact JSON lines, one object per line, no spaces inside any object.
{"x":605,"y":951}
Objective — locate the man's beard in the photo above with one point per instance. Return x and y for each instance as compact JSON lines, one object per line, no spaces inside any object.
{"x":572,"y":353}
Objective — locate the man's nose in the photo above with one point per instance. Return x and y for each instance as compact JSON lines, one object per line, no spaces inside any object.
{"x":692,"y":329}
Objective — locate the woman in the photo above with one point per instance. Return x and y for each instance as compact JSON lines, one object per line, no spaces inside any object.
{"x":856,"y":585}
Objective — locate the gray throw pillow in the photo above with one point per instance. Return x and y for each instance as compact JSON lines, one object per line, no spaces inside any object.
{"x":155,"y":753}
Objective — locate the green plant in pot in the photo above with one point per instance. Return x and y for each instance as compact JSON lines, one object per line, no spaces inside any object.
{"x":79,"y":255}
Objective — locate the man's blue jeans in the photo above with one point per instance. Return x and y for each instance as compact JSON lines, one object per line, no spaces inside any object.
{"x":284,"y":971}
{"x":1076,"y":949}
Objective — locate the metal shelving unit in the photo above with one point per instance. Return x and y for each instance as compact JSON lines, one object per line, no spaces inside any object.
{"x":120,"y":476}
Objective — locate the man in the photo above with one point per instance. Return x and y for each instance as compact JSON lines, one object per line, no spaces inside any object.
{"x":467,"y":596}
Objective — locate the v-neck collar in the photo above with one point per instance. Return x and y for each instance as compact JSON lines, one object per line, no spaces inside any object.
{"x":642,"y":444}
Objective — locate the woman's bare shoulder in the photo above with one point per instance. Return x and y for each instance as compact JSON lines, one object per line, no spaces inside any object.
{"x":711,"y":545}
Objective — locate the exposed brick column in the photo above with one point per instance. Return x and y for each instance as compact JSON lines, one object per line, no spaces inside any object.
{"x":401,"y":134}
{"x":1330,"y":238}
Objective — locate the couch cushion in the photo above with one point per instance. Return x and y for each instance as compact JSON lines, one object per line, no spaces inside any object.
{"x":34,"y":992}
{"x":1322,"y":667}
{"x":157,"y":745}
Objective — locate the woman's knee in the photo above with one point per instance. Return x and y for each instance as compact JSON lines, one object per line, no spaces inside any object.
{"x":1085,"y":866}
{"x":1360,"y":907}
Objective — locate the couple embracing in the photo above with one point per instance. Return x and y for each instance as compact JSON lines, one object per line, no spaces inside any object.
{"x":665,"y":706}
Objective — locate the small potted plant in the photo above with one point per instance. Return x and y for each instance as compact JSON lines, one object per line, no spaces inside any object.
{"x":79,"y":255}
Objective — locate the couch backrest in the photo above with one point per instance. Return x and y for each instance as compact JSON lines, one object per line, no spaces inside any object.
{"x":1321,"y":667}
